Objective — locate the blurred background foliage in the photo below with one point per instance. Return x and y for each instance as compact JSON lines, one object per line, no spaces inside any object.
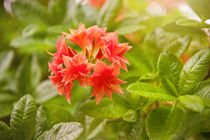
{"x":29,"y":28}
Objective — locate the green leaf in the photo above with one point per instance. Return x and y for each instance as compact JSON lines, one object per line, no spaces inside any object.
{"x":129,"y":29}
{"x":63,"y":131}
{"x":5,"y":60}
{"x":57,"y":8}
{"x":192,"y":102}
{"x":130,"y":116}
{"x":107,"y":108}
{"x":165,"y":123}
{"x":23,"y":118}
{"x":169,"y":68}
{"x":29,"y":11}
{"x":150,"y":91}
{"x":201,"y":8}
{"x":49,"y":115}
{"x":194,"y":71}
{"x":109,"y":12}
{"x":44,"y":91}
{"x":179,"y":46}
{"x":4,"y":131}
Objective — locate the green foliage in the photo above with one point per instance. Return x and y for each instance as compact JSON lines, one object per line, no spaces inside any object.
{"x":107,"y":108}
{"x":195,"y":70}
{"x":63,"y":131}
{"x":150,"y":91}
{"x":165,"y":123}
{"x":167,"y":95}
{"x":23,"y":118}
{"x":169,"y":68}
{"x":192,"y":102}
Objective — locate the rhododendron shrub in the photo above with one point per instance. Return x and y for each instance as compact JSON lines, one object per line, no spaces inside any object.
{"x":88,"y":66}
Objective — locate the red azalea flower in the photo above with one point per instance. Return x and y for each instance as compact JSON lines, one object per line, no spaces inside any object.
{"x":114,"y":51}
{"x":104,"y":81}
{"x":77,"y":68}
{"x":79,"y":37}
{"x":68,"y":66}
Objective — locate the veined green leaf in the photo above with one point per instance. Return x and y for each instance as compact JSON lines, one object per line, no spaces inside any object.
{"x":23,"y":118}
{"x":150,"y":91}
{"x":49,"y":115}
{"x":194,"y":71}
{"x":169,"y":68}
{"x":192,"y":102}
{"x":165,"y":123}
{"x":63,"y":131}
{"x":107,"y":108}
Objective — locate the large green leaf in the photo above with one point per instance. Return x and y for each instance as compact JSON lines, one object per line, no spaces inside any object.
{"x":109,"y":12}
{"x":165,"y":123}
{"x":150,"y":91}
{"x":29,"y":11}
{"x":169,"y":68}
{"x":179,"y":46}
{"x":63,"y":131}
{"x":194,"y":71}
{"x":23,"y":118}
{"x":201,"y":8}
{"x":44,"y":91}
{"x":49,"y":115}
{"x":192,"y":102}
{"x":107,"y":108}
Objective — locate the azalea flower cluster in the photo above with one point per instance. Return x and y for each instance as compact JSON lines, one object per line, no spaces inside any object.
{"x":87,"y":66}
